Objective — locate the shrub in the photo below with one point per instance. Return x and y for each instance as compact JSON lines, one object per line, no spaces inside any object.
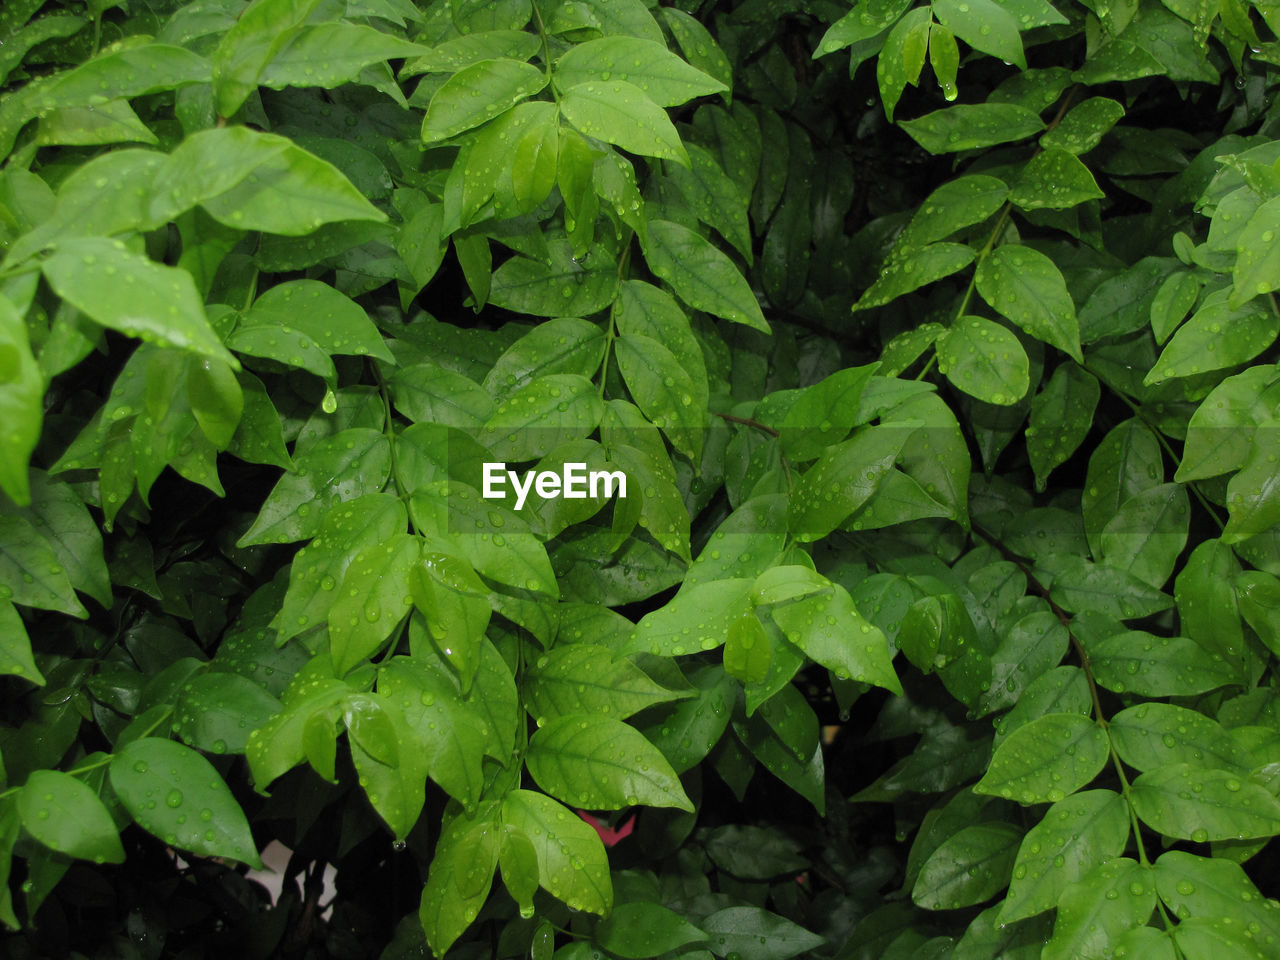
{"x":940,"y":613}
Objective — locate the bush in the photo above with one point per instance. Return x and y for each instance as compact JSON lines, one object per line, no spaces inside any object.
{"x":937,"y":619}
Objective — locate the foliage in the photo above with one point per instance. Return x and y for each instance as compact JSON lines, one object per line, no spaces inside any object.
{"x":842,"y":675}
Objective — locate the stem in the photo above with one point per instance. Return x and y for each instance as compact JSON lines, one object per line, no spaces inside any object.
{"x":748,"y":422}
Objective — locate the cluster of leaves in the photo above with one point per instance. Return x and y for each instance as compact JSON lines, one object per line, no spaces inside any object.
{"x":875,"y":687}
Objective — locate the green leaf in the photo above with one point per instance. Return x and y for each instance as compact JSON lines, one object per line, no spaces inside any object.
{"x":686,"y":734}
{"x":843,"y":479}
{"x":550,"y":289}
{"x":21,"y":403}
{"x":1148,"y":533}
{"x":709,"y":192}
{"x":255,"y":181}
{"x":132,"y":294}
{"x":316,"y":310}
{"x":342,"y":467}
{"x":1138,"y":662}
{"x":621,"y":113}
{"x":1125,"y":463}
{"x":1152,"y":735}
{"x":984,"y":360}
{"x":388,"y":759}
{"x":372,"y":600}
{"x":831,"y":631}
{"x":572,"y":863}
{"x":639,"y":930}
{"x":700,"y":275}
{"x":823,"y":413}
{"x":603,"y":764}
{"x":1253,"y":496}
{"x":583,"y":678}
{"x":15,"y":646}
{"x":863,"y":22}
{"x":216,"y":711}
{"x":319,"y":567}
{"x":1084,"y":126}
{"x":554,"y":346}
{"x":175,"y":794}
{"x":1061,"y":415}
{"x":954,"y":205}
{"x":460,"y":876}
{"x":747,"y":653}
{"x":1191,"y":802}
{"x":944,"y":58}
{"x":1115,"y":896}
{"x":1076,"y":835}
{"x":1173,"y":301}
{"x":30,"y":572}
{"x":66,"y":815}
{"x":914,"y":268}
{"x":663,"y":77}
{"x":1214,"y":888}
{"x":261,"y":31}
{"x":984,"y":25}
{"x":662,"y":390}
{"x":756,"y":934}
{"x":1220,"y":433}
{"x":427,"y":392}
{"x":1258,"y":597}
{"x":1054,"y":180}
{"x":478,"y":93}
{"x":971,"y":126}
{"x":547,"y":412}
{"x":968,"y":868}
{"x":1046,"y":760}
{"x":902,"y":56}
{"x":1025,"y":286}
{"x":1257,"y":268}
{"x":698,"y":45}
{"x":458,"y":52}
{"x":331,"y":54}
{"x":1215,"y":337}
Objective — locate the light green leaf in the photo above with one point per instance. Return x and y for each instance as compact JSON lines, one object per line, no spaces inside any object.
{"x":15,"y":646}
{"x":863,"y":22}
{"x":984,"y":25}
{"x":176,"y":795}
{"x":662,"y":76}
{"x":479,"y":93}
{"x":1147,"y":535}
{"x":1220,"y":433}
{"x":902,"y":56}
{"x":66,"y":815}
{"x":1075,"y":836}
{"x":1191,"y":802}
{"x":216,"y":711}
{"x":1253,"y":495}
{"x":971,"y":126}
{"x":713,"y":196}
{"x":823,"y":413}
{"x":831,"y":631}
{"x":255,"y":181}
{"x":454,"y":54}
{"x":1046,"y":760}
{"x":324,"y":315}
{"x":427,"y":392}
{"x":698,"y":45}
{"x":540,"y":416}
{"x":662,"y":390}
{"x":619,"y":112}
{"x":1054,"y":180}
{"x":984,"y":360}
{"x":342,"y":467}
{"x":30,"y":571}
{"x":572,"y":863}
{"x":331,"y":54}
{"x":389,"y":762}
{"x":701,"y":275}
{"x":261,"y":31}
{"x":583,"y":678}
{"x":372,"y":600}
{"x":134,"y":295}
{"x":460,"y":875}
{"x":1214,"y":888}
{"x":21,"y":403}
{"x":1025,"y":286}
